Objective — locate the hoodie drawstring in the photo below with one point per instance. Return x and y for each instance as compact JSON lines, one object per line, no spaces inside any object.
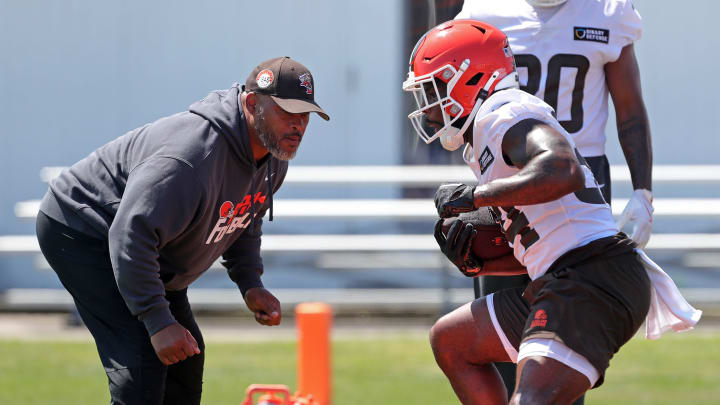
{"x":270,"y":192}
{"x":252,"y":200}
{"x":270,"y":186}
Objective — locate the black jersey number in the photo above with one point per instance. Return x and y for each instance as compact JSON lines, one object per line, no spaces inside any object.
{"x":518,"y":226}
{"x":552,"y":84}
{"x":589,"y":195}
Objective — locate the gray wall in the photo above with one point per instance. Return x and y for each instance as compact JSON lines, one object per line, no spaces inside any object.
{"x":678,"y":65}
{"x":76,"y":74}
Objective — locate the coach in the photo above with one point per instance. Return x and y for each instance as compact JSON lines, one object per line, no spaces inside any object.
{"x":131,"y":226}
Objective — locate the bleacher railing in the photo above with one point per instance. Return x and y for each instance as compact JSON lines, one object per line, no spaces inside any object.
{"x":395,"y":209}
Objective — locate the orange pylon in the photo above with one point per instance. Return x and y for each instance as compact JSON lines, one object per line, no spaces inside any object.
{"x":313,"y":321}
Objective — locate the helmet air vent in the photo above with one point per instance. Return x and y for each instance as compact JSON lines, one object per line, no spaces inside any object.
{"x":475,"y":79}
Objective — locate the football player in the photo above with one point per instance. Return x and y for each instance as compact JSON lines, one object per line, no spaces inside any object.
{"x":543,"y":193}
{"x":572,"y":54}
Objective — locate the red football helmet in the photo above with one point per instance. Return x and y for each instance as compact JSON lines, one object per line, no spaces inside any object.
{"x":473,"y":59}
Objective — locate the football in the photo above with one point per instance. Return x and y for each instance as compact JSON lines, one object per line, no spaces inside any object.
{"x":490,"y":242}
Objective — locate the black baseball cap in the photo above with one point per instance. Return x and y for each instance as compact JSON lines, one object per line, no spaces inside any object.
{"x":288,"y":83}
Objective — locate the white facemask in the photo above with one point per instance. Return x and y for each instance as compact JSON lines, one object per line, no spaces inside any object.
{"x":451,"y":139}
{"x":545,"y":3}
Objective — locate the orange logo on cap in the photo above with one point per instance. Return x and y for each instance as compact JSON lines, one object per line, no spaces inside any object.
{"x":264,"y":78}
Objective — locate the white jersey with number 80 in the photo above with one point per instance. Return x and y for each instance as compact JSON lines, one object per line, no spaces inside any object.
{"x":561,"y":58}
{"x":539,"y":233}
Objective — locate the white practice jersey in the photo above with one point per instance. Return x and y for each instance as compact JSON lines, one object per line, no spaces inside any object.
{"x":561,"y":59}
{"x":539,"y":233}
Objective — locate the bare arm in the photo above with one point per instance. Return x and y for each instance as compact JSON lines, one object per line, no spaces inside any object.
{"x":623,"y":81}
{"x":547,"y":163}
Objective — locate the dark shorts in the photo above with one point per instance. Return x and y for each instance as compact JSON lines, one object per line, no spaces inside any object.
{"x":592,"y":299}
{"x":135,"y":374}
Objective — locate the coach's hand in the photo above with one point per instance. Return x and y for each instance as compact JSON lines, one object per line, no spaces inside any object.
{"x":457,"y":246}
{"x":174,"y":343}
{"x":264,"y":305}
{"x":454,"y":199}
{"x":639,"y":211}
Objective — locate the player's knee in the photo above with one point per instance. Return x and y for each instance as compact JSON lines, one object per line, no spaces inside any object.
{"x":443,"y":342}
{"x":537,"y":391}
{"x":437,"y":335}
{"x":532,"y":396}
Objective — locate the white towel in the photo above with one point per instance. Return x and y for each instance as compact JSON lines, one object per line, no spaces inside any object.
{"x":668,"y":308}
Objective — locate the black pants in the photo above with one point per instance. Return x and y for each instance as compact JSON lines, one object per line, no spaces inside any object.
{"x":600,"y":168}
{"x":135,"y":374}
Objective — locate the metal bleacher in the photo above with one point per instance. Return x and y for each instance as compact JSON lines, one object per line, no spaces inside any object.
{"x":394,"y":209}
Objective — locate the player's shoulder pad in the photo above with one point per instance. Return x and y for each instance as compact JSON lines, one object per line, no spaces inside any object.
{"x":623,"y":20}
{"x":504,"y":109}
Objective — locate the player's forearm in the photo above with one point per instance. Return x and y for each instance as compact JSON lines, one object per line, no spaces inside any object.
{"x":623,"y":82}
{"x":636,"y":143}
{"x":546,"y":178}
{"x":502,"y":266}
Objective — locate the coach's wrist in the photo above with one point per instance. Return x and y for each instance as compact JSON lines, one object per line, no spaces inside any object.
{"x":249,"y":279}
{"x":157,"y":319}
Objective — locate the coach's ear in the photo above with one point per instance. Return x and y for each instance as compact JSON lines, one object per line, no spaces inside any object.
{"x":250,"y":100}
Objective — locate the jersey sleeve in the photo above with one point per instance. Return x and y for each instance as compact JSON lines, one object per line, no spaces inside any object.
{"x":626,"y":26}
{"x":505,"y":109}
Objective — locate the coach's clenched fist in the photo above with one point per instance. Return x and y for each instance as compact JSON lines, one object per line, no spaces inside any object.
{"x":264,"y":305}
{"x":174,"y":344}
{"x":454,"y":199}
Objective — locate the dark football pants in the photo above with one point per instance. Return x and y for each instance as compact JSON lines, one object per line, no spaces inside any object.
{"x":135,"y":374}
{"x":490,"y":284}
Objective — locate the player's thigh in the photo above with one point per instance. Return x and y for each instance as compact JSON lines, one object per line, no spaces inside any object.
{"x":543,"y":380}
{"x":492,"y":284}
{"x":473,"y":333}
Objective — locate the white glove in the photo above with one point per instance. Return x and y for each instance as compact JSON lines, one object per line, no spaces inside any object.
{"x":639,"y":211}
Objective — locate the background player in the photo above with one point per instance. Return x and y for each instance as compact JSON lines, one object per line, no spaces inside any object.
{"x":551,"y":209}
{"x":572,"y":53}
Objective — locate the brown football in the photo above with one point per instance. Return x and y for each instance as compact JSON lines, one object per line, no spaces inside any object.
{"x":490,"y":242}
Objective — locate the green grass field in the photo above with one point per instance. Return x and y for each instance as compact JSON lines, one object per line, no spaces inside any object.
{"x":678,"y":369}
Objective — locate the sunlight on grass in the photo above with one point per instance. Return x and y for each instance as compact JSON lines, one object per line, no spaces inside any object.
{"x":680,"y":368}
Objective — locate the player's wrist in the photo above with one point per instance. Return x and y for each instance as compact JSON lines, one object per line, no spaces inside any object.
{"x":474,"y":264}
{"x":645,"y":194}
{"x":472,"y":196}
{"x":645,"y":198}
{"x":477,"y":194}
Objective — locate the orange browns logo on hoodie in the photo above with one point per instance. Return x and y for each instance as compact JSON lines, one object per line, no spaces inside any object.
{"x":232,"y":216}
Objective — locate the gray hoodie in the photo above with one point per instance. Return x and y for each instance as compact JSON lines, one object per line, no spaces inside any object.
{"x":171,"y":197}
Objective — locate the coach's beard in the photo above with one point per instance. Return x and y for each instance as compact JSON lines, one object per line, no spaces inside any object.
{"x":269,"y":141}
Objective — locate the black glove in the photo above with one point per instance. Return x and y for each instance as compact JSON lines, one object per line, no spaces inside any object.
{"x":457,"y":246}
{"x":454,"y":199}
